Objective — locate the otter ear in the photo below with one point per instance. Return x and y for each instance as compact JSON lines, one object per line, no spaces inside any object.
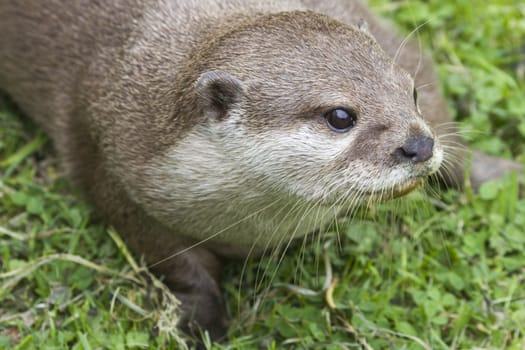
{"x":217,"y":91}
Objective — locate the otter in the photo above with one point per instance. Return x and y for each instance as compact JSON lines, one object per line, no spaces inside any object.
{"x":205,"y":130}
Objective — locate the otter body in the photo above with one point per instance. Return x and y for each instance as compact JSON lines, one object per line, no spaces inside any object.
{"x":114,"y":85}
{"x":223,"y":126}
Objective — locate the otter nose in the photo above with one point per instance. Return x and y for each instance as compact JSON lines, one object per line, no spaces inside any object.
{"x":416,"y":149}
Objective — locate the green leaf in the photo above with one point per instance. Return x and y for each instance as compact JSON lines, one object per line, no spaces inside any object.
{"x":317,"y":332}
{"x":521,"y":128}
{"x":489,"y":190}
{"x":75,"y":217}
{"x":19,"y":198}
{"x":137,"y":339}
{"x":406,"y":328}
{"x":4,"y":341}
{"x":83,"y":337}
{"x":35,"y":205}
{"x":117,"y":341}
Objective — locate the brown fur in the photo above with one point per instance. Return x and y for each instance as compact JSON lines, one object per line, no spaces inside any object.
{"x":119,"y":83}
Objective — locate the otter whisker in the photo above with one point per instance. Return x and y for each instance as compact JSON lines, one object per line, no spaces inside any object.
{"x":405,"y":40}
{"x":202,"y":241}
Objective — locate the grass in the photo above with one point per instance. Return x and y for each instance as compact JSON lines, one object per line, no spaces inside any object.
{"x":420,"y":273}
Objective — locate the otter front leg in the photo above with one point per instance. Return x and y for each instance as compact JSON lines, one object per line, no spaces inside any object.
{"x":191,"y":274}
{"x":192,"y":277}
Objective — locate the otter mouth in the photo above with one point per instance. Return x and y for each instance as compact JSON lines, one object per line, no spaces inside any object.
{"x":395,"y":191}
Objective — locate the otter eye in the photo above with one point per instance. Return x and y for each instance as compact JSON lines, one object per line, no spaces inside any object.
{"x":341,"y":120}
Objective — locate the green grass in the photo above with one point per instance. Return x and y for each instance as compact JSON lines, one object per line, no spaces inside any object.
{"x":420,"y":273}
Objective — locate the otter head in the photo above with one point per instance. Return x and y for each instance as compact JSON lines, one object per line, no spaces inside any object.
{"x":318,"y":110}
{"x":299,"y":108}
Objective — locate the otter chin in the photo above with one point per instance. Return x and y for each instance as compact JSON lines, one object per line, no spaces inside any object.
{"x":396,"y":191}
{"x":414,"y":181}
{"x":405,"y":188}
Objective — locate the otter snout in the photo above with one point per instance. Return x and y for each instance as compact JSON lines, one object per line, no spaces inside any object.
{"x":417,"y":149}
